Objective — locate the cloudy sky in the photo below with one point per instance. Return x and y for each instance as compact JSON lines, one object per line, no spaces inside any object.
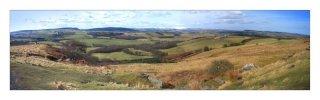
{"x":284,"y":21}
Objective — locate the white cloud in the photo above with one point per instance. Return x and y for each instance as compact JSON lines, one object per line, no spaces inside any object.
{"x":92,"y":19}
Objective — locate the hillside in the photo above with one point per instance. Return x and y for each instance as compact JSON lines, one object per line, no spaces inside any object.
{"x":124,"y":58}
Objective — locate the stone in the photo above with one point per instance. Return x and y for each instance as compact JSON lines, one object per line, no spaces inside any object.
{"x":291,"y":66}
{"x":247,"y":67}
{"x":219,"y":80}
{"x":68,"y":59}
{"x":155,"y":82}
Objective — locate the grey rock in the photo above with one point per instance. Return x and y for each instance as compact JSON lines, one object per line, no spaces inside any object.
{"x":219,"y":80}
{"x":247,"y":67}
{"x":68,"y":59}
{"x":157,"y":83}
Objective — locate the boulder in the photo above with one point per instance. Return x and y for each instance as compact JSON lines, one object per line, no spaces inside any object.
{"x":155,"y":82}
{"x":152,"y":79}
{"x":247,"y":67}
{"x":219,"y":80}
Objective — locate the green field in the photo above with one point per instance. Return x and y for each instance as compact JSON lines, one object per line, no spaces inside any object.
{"x":210,"y":42}
{"x":108,"y":42}
{"x":118,"y":56}
{"x":78,"y":35}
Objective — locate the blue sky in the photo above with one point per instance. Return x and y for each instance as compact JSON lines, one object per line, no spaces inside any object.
{"x":295,"y":21}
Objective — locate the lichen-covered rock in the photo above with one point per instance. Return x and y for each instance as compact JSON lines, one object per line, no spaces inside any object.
{"x":155,"y":82}
{"x":219,"y":80}
{"x":247,"y":67}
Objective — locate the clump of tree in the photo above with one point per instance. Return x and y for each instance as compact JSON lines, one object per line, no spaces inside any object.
{"x":131,"y":52}
{"x":206,"y":48}
{"x":109,"y":49}
{"x":75,"y":51}
{"x":105,"y":34}
{"x":247,"y":40}
{"x":53,"y":53}
{"x":12,"y":43}
{"x":60,"y":34}
{"x":128,"y":37}
{"x":243,"y":42}
{"x":165,"y":36}
{"x":73,"y":45}
{"x":219,"y":67}
{"x":164,"y":44}
{"x":231,"y":44}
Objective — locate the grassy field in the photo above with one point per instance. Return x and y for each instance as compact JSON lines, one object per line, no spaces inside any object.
{"x":118,"y":56}
{"x":78,"y":35}
{"x":200,"y":43}
{"x":107,"y":42}
{"x":144,"y":53}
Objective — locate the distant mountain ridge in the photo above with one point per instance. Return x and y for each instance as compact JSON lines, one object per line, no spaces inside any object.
{"x":266,"y":34}
{"x":112,"y":29}
{"x":273,"y":34}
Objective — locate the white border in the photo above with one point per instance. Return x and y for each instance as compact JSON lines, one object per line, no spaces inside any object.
{"x":8,"y":5}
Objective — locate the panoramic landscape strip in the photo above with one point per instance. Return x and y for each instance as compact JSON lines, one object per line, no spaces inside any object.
{"x":160,"y":50}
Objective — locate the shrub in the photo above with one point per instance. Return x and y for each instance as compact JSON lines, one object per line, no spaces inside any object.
{"x":206,"y":48}
{"x":128,"y":37}
{"x":61,"y":34}
{"x":53,"y":53}
{"x":107,"y":61}
{"x":235,"y":44}
{"x":76,"y":52}
{"x":137,"y":53}
{"x":73,"y":45}
{"x":225,"y":45}
{"x":91,"y":60}
{"x":13,"y":43}
{"x":108,"y":49}
{"x":105,"y":34}
{"x":219,"y":67}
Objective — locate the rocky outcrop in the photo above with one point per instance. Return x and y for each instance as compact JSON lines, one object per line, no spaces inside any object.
{"x":152,"y":79}
{"x":246,"y":67}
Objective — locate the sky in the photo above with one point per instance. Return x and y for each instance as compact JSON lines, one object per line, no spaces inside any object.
{"x":293,"y":21}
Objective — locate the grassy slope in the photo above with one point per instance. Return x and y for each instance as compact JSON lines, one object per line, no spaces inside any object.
{"x":279,"y":75}
{"x":239,"y":56}
{"x":39,"y":77}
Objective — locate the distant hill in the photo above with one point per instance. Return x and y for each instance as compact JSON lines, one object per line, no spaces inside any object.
{"x":47,"y":33}
{"x":69,"y":28}
{"x":265,"y":34}
{"x":112,"y":29}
